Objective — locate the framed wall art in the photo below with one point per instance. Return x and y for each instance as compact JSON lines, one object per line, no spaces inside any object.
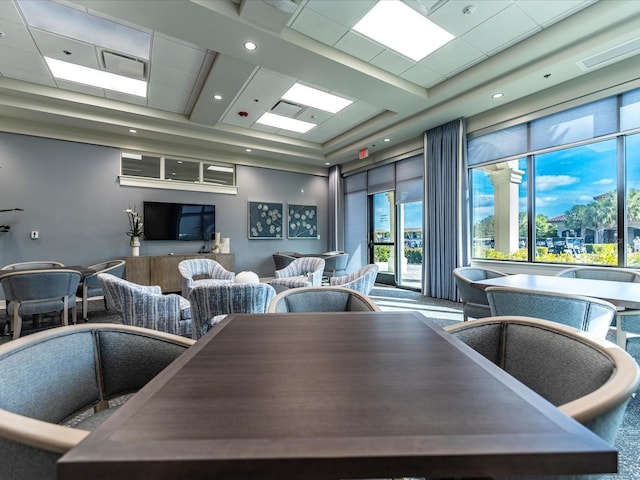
{"x":302,"y":221}
{"x":265,"y":220}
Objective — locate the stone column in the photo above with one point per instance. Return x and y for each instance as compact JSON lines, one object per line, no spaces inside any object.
{"x":505,"y":182}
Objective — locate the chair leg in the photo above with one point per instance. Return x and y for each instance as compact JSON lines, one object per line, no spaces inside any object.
{"x":65,"y":312}
{"x":85,"y":303}
{"x":17,"y":322}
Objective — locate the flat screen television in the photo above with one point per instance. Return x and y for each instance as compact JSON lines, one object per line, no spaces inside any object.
{"x":178,"y":221}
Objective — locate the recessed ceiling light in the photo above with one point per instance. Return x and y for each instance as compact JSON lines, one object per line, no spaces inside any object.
{"x":217,"y":97}
{"x":96,"y":78}
{"x":247,"y":149}
{"x":251,"y":46}
{"x":399,"y":27}
{"x":327,"y":163}
{"x":497,"y":95}
{"x":278,"y":121}
{"x":387,"y":140}
{"x":132,"y":130}
{"x":312,"y":97}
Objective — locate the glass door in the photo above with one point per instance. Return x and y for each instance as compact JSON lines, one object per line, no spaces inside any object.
{"x":410,"y":231}
{"x":382,"y":234}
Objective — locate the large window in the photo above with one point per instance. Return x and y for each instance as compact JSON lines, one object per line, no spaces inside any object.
{"x":571,"y":196}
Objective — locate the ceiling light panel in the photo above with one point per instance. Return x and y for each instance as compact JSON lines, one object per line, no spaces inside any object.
{"x":311,"y":97}
{"x":72,"y":23}
{"x":97,"y":78}
{"x":402,"y":29}
{"x":278,"y":121}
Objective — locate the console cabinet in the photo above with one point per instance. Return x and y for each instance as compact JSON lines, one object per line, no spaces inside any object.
{"x":163,"y":269}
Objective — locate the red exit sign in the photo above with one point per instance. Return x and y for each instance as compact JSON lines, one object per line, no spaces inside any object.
{"x":363,"y":153}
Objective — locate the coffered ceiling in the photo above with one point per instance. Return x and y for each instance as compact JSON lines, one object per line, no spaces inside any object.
{"x":189,"y":51}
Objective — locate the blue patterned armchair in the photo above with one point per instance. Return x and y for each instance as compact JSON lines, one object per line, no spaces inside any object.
{"x":361,"y":280}
{"x":210,"y":271}
{"x":302,"y":272}
{"x":146,"y":306}
{"x":210,"y":303}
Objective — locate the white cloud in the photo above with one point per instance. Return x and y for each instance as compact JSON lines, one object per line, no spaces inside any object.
{"x":605,"y":181}
{"x":545,"y":201}
{"x":549,"y":182}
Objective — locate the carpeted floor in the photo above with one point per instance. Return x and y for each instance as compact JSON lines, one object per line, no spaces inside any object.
{"x":445,"y":312}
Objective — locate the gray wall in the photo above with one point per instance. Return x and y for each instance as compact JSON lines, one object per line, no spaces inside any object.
{"x":70,"y":194}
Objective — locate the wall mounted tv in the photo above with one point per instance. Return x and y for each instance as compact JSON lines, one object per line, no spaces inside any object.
{"x":178,"y":221}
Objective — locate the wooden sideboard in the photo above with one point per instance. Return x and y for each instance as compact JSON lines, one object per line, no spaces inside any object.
{"x":163,"y":269}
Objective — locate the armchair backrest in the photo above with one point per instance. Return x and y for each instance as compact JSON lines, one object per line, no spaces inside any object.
{"x":584,"y":313}
{"x":209,"y":301}
{"x":303,"y":266}
{"x":142,"y":305}
{"x":26,"y":285}
{"x":34,"y":264}
{"x":201,"y":267}
{"x":322,"y":299}
{"x":602,"y":273}
{"x":588,"y":378}
{"x":113,"y":267}
{"x":361,"y":280}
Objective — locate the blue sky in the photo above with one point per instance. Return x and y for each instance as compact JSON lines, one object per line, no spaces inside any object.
{"x":567,"y":177}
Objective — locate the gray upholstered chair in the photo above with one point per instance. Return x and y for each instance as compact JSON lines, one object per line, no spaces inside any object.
{"x":146,"y":306}
{"x":202,"y":271}
{"x":474,"y":300}
{"x":211,"y":303}
{"x":91,"y":286}
{"x":36,"y":292}
{"x":361,"y":280}
{"x":282,"y":259}
{"x":588,"y":378}
{"x":335,"y":264}
{"x":322,"y":299}
{"x":584,"y":313}
{"x":301,"y":272}
{"x":627,"y":320}
{"x":58,"y":385}
{"x":32,"y":265}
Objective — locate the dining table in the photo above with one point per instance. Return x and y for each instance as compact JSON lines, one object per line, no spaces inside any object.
{"x":625,"y":295}
{"x":332,"y":396}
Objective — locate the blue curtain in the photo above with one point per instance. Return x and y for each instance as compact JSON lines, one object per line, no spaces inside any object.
{"x":336,"y":209}
{"x":445,"y":205}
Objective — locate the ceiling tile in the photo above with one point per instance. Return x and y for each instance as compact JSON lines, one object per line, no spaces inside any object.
{"x":547,"y":12}
{"x":180,"y":80}
{"x":16,"y":36}
{"x":450,"y":15}
{"x":451,"y":58}
{"x":19,"y":60}
{"x":178,"y":55}
{"x":360,"y":47}
{"x":24,"y":75}
{"x":502,"y":30}
{"x":421,"y":75}
{"x":344,"y":13}
{"x":318,"y":27}
{"x":80,"y":88}
{"x":167,"y":98}
{"x":392,"y":62}
{"x":54,"y":46}
{"x":9,"y":12}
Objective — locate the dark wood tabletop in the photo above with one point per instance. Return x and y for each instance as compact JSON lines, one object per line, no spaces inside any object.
{"x":332,"y":396}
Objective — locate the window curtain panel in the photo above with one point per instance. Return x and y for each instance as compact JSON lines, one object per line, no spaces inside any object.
{"x":336,"y":209}
{"x":445,"y":198}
